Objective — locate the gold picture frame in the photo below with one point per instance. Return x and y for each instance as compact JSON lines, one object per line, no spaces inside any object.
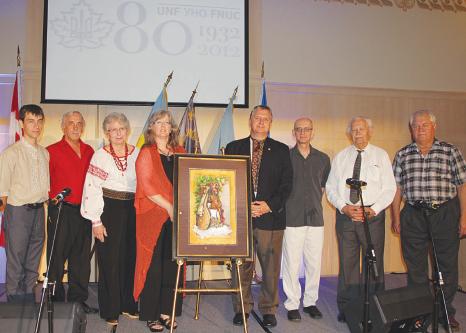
{"x":212,"y":205}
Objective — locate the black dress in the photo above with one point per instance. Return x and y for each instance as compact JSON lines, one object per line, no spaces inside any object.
{"x":157,"y":295}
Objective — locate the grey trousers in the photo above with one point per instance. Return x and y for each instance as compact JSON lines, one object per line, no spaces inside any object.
{"x":268,"y":244}
{"x":351,"y":244}
{"x":25,"y":233}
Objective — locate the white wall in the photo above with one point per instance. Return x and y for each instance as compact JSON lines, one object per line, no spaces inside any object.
{"x":12,"y":32}
{"x":342,"y":44}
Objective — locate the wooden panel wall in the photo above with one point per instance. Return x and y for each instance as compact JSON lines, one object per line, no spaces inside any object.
{"x":331,"y":108}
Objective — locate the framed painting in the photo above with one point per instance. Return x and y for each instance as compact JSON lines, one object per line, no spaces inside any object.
{"x":212,"y":207}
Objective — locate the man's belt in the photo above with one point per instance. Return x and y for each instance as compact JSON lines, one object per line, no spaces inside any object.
{"x":36,"y":205}
{"x":432,"y":205}
{"x":117,"y":195}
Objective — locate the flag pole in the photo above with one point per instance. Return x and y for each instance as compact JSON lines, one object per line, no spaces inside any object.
{"x":262,"y":70}
{"x":169,"y":78}
{"x":194,"y":91}
{"x":18,"y":58}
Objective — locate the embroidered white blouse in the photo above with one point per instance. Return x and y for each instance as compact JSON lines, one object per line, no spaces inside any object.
{"x":103,"y":173}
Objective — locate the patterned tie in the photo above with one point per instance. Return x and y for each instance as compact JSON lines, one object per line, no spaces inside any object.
{"x":257,"y":150}
{"x":356,"y":173}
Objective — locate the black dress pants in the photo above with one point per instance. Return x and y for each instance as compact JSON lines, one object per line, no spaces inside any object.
{"x":72,"y":243}
{"x":116,"y":259}
{"x":157,"y":296}
{"x":415,"y":245}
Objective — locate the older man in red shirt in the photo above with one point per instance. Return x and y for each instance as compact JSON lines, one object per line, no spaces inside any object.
{"x":69,"y":161}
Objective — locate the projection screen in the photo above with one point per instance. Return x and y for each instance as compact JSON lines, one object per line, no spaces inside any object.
{"x":121,"y":52}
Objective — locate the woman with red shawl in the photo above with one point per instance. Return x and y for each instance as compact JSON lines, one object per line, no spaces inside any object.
{"x":155,"y":273}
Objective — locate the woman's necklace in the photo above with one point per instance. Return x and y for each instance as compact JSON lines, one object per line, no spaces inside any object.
{"x":121,"y":162}
{"x":167,"y":154}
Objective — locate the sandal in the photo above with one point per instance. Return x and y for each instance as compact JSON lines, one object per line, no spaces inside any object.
{"x":155,"y":326}
{"x":167,"y":321}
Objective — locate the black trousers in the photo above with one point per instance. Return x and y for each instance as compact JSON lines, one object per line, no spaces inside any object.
{"x":116,"y":258}
{"x":351,"y":244}
{"x":157,"y":295}
{"x":72,"y":243}
{"x":415,"y":245}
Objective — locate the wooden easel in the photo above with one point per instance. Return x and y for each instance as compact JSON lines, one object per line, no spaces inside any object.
{"x":200,"y":290}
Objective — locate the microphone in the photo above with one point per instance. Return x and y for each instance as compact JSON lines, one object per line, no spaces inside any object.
{"x":353,"y":182}
{"x":61,"y":196}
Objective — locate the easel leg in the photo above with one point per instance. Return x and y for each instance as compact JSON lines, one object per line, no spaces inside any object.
{"x":172,"y":320}
{"x":245,"y":322}
{"x":198,"y":296}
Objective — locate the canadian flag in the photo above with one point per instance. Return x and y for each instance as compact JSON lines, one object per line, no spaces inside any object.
{"x":15,"y":131}
{"x":16,"y":103}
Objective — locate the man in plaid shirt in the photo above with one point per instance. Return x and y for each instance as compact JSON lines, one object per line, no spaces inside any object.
{"x":431,"y":178}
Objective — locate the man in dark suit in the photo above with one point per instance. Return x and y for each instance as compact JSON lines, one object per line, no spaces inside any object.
{"x":272,"y":178}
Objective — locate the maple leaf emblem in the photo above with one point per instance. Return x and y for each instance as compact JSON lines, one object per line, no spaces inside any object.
{"x":81,"y":27}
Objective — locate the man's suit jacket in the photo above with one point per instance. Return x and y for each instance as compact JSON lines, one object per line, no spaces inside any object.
{"x":275,"y":180}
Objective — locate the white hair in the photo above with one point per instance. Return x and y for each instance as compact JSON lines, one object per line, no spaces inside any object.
{"x":432,"y":117}
{"x":350,"y":124}
{"x":69,"y":113}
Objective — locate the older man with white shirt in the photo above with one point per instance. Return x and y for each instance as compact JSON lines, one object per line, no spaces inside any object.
{"x":366,"y":162}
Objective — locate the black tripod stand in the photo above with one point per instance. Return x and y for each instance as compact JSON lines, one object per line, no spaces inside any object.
{"x":437,"y":277}
{"x":48,"y":288}
{"x":370,"y":261}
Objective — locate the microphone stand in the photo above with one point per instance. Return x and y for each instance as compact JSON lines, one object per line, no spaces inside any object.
{"x":48,"y":288}
{"x":438,"y":280}
{"x":370,"y":262}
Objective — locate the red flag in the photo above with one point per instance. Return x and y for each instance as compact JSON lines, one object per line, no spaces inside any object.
{"x":15,"y":132}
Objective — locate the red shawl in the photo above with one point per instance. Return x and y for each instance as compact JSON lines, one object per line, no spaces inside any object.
{"x":151,"y":180}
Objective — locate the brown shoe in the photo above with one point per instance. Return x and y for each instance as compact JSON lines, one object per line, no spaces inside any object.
{"x":454,"y":324}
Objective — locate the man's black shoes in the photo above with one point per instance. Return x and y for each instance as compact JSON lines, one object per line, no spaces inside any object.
{"x":238,"y":319}
{"x":313,"y":311}
{"x":269,"y":320}
{"x":294,"y":315}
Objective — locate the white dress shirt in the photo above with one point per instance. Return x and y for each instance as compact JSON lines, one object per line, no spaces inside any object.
{"x":376,"y":171}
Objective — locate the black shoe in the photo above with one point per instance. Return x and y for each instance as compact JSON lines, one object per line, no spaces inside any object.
{"x":454,"y":324}
{"x":88,"y":309}
{"x":294,"y":315}
{"x":238,"y":319}
{"x":313,"y":311}
{"x":269,"y":320}
{"x":341,"y":317}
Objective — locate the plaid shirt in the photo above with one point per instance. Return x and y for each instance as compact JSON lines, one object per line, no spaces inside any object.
{"x":432,"y":178}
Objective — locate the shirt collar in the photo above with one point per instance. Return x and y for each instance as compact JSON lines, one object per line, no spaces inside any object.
{"x":368,"y":147}
{"x":27,"y":144}
{"x":436,"y":143}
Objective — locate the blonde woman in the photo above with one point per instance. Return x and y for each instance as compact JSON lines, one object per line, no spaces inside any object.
{"x":155,"y":270}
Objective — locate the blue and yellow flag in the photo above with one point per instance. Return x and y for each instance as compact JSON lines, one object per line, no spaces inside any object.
{"x":161,"y":103}
{"x":263,"y":97}
{"x":189,"y":137}
{"x":225,"y":131}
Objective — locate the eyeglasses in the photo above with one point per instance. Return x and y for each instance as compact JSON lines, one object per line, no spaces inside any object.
{"x":303,"y":129}
{"x":114,"y":131}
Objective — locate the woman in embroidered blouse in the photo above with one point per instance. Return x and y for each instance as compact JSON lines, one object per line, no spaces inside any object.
{"x":155,"y":275}
{"x":108,"y":201}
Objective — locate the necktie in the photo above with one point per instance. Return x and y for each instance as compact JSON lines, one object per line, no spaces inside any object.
{"x":356,"y":173}
{"x":257,"y":150}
